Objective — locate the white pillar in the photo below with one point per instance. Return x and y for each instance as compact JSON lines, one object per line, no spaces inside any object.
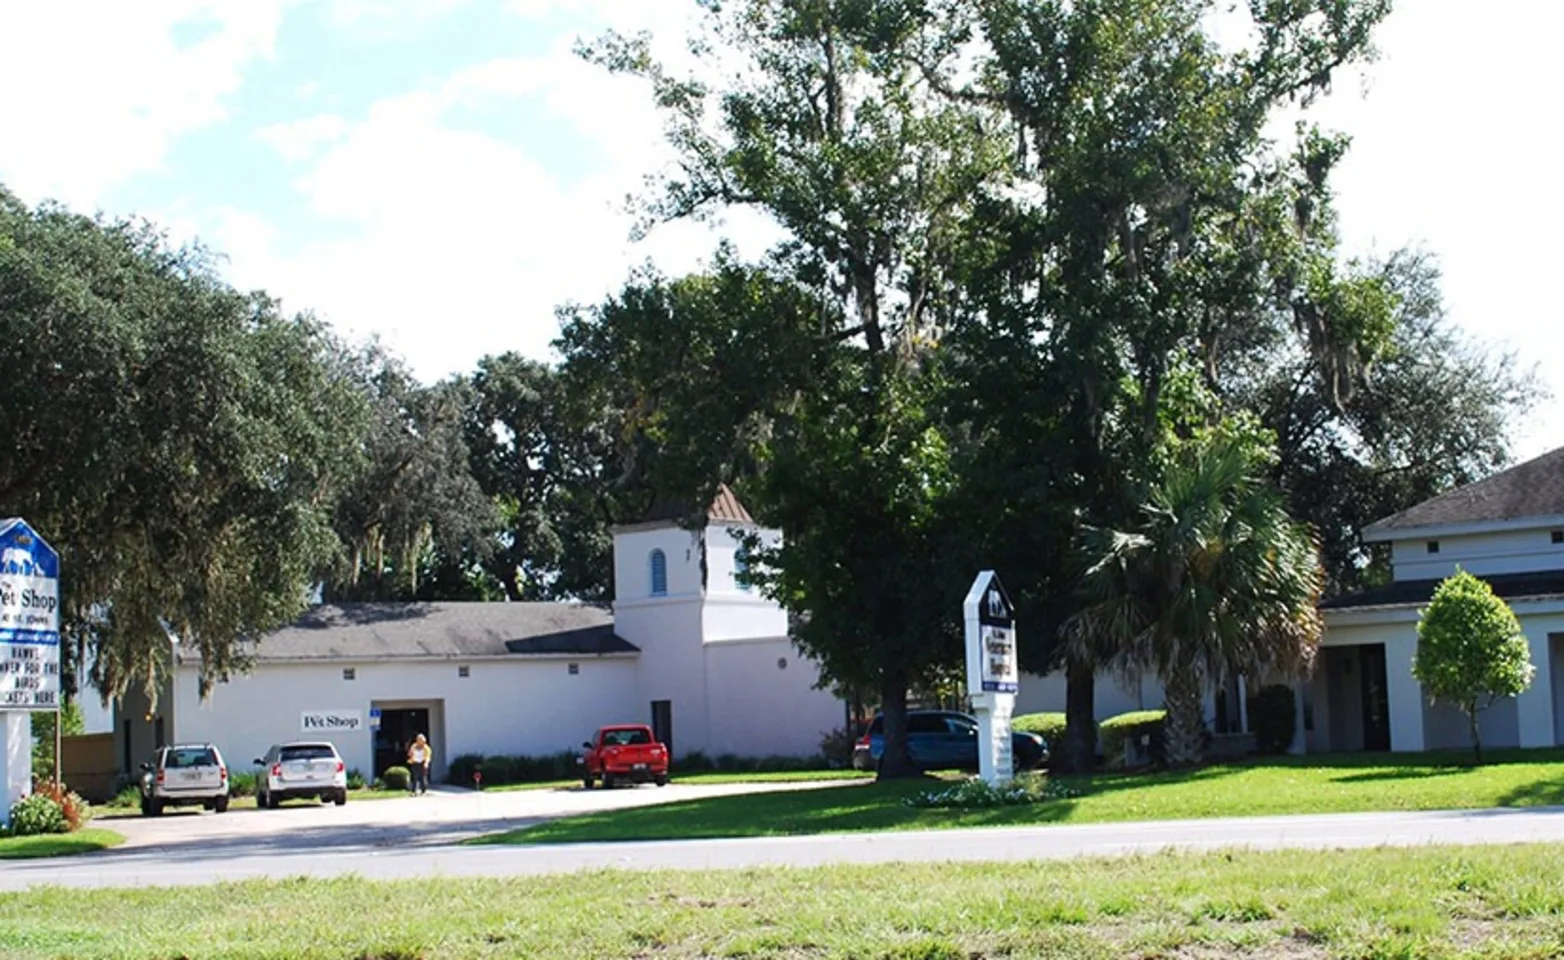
{"x":1300,"y":736}
{"x":993,"y":710}
{"x":1534,"y":707}
{"x":1404,"y":693}
{"x":16,"y":758}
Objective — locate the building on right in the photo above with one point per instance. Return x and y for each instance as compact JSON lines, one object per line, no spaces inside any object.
{"x":1507,"y":529}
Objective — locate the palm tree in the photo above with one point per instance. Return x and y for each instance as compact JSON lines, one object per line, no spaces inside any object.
{"x":1215,"y":579}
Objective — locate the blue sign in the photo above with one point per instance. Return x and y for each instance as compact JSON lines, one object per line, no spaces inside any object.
{"x":29,"y":620}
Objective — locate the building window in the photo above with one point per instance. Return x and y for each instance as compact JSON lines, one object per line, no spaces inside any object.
{"x":659,"y":574}
{"x":348,"y":673}
{"x":1558,"y":536}
{"x":575,"y":668}
{"x":464,"y":672}
{"x":1433,"y":546}
{"x":741,"y":569}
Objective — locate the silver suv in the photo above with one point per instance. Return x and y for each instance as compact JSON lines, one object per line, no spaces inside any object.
{"x":184,"y":775}
{"x":291,"y":770}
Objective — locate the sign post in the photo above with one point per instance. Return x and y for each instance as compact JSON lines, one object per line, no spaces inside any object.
{"x":29,"y":650}
{"x":993,"y":674}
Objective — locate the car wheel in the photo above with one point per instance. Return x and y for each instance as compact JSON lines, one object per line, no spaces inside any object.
{"x":221,"y":806}
{"x":146,"y":807}
{"x":272,"y":802}
{"x":587,"y":781}
{"x":662,"y":781}
{"x":341,"y":798}
{"x":157,"y":807}
{"x":608,"y":781}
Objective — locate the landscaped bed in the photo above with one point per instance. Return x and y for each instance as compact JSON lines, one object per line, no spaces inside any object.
{"x":1493,"y":902}
{"x":1292,"y":785}
{"x":57,"y":844}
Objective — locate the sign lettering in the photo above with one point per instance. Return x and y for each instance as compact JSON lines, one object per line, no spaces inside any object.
{"x":331,"y":721}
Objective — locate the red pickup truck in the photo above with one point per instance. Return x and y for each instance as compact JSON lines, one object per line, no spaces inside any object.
{"x":625,"y":751}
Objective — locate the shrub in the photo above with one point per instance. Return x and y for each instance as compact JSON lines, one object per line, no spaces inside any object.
{"x":1049,"y":725}
{"x":498,"y":771}
{"x":693,"y":762}
{"x":50,"y":808}
{"x":355,"y":779}
{"x":127,"y":798}
{"x":836,"y":748}
{"x":977,"y":794}
{"x":396,"y":778}
{"x":462,"y":769}
{"x":1114,"y":732}
{"x":241,"y":785}
{"x":1273,"y":716}
{"x":73,"y":808}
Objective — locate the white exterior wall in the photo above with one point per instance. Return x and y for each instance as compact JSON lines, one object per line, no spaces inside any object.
{"x":1045,"y":693}
{"x":527,"y":707}
{"x":761,"y":700}
{"x":1517,"y":550}
{"x":633,"y":563}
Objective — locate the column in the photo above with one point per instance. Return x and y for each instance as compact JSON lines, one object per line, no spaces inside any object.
{"x":1243,"y":704}
{"x":1534,"y":707}
{"x":1404,"y":692}
{"x":1300,"y":736}
{"x":16,"y":758}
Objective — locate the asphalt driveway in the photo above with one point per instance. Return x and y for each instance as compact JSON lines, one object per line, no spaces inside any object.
{"x":443,"y":816}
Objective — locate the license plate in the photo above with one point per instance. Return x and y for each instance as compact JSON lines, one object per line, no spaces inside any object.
{"x":640,"y":766}
{"x":190,"y":775}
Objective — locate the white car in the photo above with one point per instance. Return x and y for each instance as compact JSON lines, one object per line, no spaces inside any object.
{"x":185,"y":774}
{"x":291,"y":771}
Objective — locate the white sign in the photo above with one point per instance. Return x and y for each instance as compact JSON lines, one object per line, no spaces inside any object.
{"x":29,"y":620}
{"x":993,"y":673}
{"x":331,"y":721}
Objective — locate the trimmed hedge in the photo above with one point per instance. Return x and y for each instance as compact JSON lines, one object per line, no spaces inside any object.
{"x":396,"y":778}
{"x":1049,"y":725}
{"x":1114,"y":732}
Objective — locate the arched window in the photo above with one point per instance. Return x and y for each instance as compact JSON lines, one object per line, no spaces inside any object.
{"x":659,"y":574}
{"x":740,"y":569}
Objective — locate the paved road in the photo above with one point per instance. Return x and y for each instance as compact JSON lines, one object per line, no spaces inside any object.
{"x":149,"y":864}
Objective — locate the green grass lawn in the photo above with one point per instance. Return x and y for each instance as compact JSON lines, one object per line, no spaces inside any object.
{"x":58,"y":844}
{"x":1275,"y":786}
{"x":711,"y":776}
{"x":1498,"y":902}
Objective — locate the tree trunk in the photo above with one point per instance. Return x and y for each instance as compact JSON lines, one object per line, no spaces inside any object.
{"x":894,"y":760}
{"x":1183,"y":731}
{"x":1080,"y":716}
{"x":1477,"y":743}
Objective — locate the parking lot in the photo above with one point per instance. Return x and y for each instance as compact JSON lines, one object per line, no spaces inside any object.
{"x":443,"y":816}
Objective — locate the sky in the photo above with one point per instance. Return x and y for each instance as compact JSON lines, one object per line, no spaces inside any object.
{"x":443,"y":174}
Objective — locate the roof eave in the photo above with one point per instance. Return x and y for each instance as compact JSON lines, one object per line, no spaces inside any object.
{"x":1378,"y":532}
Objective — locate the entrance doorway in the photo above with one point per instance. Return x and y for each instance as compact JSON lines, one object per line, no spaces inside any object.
{"x":1376,"y":698}
{"x":398,"y":727}
{"x":662,"y":723}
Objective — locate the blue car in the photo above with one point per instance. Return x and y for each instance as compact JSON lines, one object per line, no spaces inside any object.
{"x":945,"y":740}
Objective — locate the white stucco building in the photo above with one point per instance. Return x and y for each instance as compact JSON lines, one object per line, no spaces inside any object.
{"x":1507,"y":529}
{"x":704,"y":659}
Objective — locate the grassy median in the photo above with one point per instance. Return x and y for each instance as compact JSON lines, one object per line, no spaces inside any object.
{"x":1436,"y":902}
{"x":1293,"y":785}
{"x":58,"y":844}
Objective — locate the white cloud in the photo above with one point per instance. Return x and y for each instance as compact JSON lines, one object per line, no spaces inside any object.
{"x":108,"y":88}
{"x":453,"y":243}
{"x":300,"y":139}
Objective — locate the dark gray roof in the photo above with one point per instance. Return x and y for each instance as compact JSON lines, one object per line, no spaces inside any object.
{"x":374,"y":631}
{"x":1510,"y":586}
{"x":1531,"y":489}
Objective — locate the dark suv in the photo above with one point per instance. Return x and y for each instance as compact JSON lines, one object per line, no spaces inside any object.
{"x":945,"y":740}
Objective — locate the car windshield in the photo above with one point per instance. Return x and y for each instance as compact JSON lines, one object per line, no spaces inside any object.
{"x":309,"y":751}
{"x":622,"y":738}
{"x":181,"y":757}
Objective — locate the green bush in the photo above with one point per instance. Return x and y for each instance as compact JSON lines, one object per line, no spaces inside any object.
{"x":462,"y":769}
{"x":1273,"y":716}
{"x":241,"y":785}
{"x":976,"y":794}
{"x":127,"y":798}
{"x":1114,"y":732}
{"x":1049,"y":725}
{"x":498,"y":771}
{"x":37,"y":813}
{"x":356,"y":779}
{"x":396,"y":778}
{"x":836,"y":748}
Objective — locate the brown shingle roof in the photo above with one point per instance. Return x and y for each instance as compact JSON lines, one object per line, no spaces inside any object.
{"x":725,"y":508}
{"x":1531,"y":489}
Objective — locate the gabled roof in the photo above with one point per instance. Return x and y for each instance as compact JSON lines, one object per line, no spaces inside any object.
{"x":725,"y":508}
{"x":381,"y":631}
{"x":1531,"y":489}
{"x":1409,"y":593}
